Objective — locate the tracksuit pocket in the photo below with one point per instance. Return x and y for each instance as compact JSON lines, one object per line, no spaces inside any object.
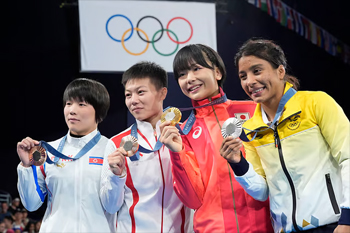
{"x":331,"y":194}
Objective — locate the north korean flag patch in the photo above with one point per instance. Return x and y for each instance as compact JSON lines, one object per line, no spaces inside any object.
{"x":95,"y":160}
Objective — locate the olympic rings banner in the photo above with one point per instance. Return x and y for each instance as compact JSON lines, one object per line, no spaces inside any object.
{"x":115,"y":35}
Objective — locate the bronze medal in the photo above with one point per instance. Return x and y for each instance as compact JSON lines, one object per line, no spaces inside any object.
{"x":37,"y":156}
{"x":130,"y":145}
{"x":171,"y":114}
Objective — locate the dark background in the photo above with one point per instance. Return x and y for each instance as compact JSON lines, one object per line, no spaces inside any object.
{"x":40,"y":56}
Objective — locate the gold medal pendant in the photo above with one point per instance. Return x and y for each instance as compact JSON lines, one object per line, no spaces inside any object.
{"x":37,"y":156}
{"x":130,"y":145}
{"x":171,"y":114}
{"x":232,"y":127}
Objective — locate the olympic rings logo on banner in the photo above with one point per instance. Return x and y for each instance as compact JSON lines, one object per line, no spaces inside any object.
{"x":154,"y":37}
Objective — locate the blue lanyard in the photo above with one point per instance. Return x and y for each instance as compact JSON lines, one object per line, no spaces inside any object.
{"x":58,"y":153}
{"x":136,"y":156}
{"x":188,"y":126}
{"x":285,"y":98}
{"x":192,"y":118}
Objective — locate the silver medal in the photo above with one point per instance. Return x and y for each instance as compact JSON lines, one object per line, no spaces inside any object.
{"x":232,"y":127}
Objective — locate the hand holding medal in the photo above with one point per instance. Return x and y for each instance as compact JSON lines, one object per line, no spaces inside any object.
{"x":37,"y":156}
{"x":231,"y":145}
{"x":170,"y":135}
{"x":232,"y":127}
{"x":31,"y":153}
{"x":130,"y":145}
{"x":171,"y":114}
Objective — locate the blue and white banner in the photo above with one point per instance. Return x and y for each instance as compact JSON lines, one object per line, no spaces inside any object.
{"x":115,"y":35}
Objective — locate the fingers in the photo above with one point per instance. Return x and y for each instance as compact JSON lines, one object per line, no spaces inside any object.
{"x":164,"y":124}
{"x":168,"y":133}
{"x":230,"y":149}
{"x":117,"y":159}
{"x":27,"y":144}
{"x":23,"y":149}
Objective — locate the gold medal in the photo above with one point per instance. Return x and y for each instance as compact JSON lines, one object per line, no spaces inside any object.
{"x":130,"y":145}
{"x":171,"y":114}
{"x":232,"y":127}
{"x":37,"y":156}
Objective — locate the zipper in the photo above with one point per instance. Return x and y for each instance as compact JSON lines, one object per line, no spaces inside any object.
{"x":331,"y":194}
{"x":233,"y":197}
{"x":229,"y":172}
{"x":289,"y":178}
{"x":161,"y":168}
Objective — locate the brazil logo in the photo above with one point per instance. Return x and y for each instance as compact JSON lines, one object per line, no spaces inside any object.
{"x":294,"y":122}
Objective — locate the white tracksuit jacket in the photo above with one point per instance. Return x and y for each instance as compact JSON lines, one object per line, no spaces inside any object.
{"x":144,"y":198}
{"x":72,"y":187}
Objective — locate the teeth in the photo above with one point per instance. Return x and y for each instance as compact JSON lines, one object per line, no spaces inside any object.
{"x":194,"y":88}
{"x":258,"y":90}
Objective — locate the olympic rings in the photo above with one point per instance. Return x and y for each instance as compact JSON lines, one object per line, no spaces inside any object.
{"x":135,"y":54}
{"x":161,"y":25}
{"x":123,"y":39}
{"x":154,"y":47}
{"x":132,"y":27}
{"x":177,"y":42}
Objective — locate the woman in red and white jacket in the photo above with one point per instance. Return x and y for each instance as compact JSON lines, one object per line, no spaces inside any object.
{"x":141,"y":190}
{"x":203,"y":179}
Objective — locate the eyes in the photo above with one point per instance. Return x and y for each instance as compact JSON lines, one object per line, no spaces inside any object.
{"x":256,"y":71}
{"x":139,"y":92}
{"x":81,"y":104}
{"x":194,"y":68}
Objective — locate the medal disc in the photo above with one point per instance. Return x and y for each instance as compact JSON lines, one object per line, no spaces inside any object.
{"x":171,"y":114}
{"x":232,"y":127}
{"x":37,"y":156}
{"x":130,"y":145}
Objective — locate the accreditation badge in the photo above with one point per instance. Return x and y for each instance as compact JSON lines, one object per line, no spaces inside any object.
{"x":232,"y":127}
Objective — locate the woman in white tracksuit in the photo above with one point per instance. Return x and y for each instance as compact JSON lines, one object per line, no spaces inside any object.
{"x":72,"y":185}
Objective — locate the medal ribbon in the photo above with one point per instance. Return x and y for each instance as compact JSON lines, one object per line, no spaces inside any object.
{"x":188,"y":126}
{"x":192,"y":118}
{"x":136,"y":156}
{"x":58,"y":153}
{"x":285,"y":98}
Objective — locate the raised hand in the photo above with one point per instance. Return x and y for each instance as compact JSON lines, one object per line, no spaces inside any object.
{"x":23,"y":150}
{"x":170,"y":137}
{"x":116,"y":161}
{"x":230,"y":149}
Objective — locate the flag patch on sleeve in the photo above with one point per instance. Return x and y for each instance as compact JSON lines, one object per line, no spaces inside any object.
{"x":95,"y":160}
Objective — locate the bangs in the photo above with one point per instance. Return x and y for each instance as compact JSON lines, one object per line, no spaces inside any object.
{"x":78,"y":93}
{"x":187,"y":57}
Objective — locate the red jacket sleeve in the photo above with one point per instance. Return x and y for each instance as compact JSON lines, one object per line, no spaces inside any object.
{"x":187,"y":180}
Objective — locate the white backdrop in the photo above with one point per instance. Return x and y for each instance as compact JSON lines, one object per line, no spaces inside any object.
{"x":103,"y":23}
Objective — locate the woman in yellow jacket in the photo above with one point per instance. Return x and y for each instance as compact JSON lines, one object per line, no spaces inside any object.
{"x":298,"y":153}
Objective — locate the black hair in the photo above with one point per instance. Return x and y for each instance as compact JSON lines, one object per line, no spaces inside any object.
{"x":269,"y":51}
{"x":91,"y":92}
{"x":198,"y":54}
{"x":9,"y":218}
{"x":157,"y":75}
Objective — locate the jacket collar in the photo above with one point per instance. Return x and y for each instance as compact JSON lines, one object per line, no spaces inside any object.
{"x":147,"y":129}
{"x":81,"y":141}
{"x":291,"y":108}
{"x":205,"y":111}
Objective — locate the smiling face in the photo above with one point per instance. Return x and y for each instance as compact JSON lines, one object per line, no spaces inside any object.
{"x":199,"y":82}
{"x":143,"y":99}
{"x":80,"y":117}
{"x":260,"y":80}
